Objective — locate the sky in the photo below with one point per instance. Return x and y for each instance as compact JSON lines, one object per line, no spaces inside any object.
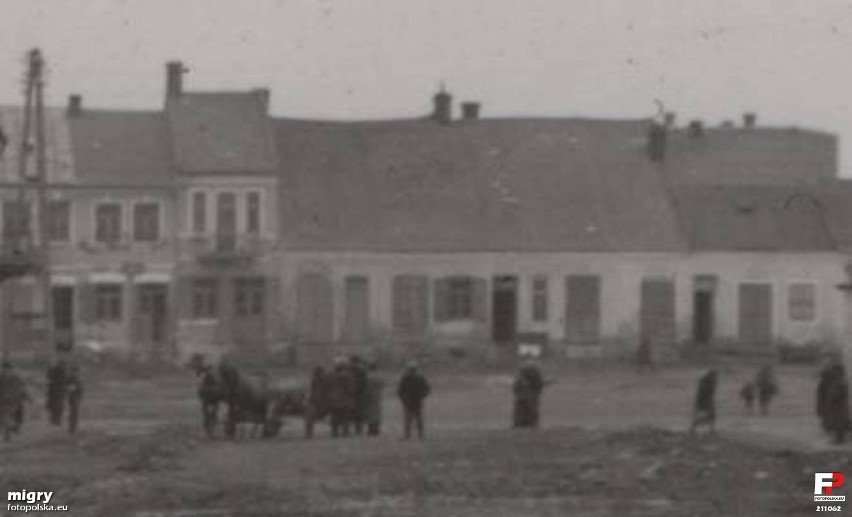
{"x":787,"y":60}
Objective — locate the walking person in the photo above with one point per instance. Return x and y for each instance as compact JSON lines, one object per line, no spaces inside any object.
{"x":704,"y":413}
{"x":13,"y":395}
{"x":767,"y":388}
{"x":56,"y":391}
{"x":527,"y":389}
{"x":412,"y":391}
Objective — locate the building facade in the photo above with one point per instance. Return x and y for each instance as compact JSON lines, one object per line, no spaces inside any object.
{"x":211,"y":226}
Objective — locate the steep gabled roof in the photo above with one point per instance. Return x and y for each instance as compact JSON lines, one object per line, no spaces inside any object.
{"x":752,"y":218}
{"x":221,"y":133}
{"x":759,"y":155}
{"x":503,"y":185}
{"x":120,"y":148}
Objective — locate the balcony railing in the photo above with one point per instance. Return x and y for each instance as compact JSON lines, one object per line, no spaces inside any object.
{"x":226,"y":249}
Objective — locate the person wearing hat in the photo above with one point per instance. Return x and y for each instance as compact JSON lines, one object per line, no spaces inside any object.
{"x":412,"y":390}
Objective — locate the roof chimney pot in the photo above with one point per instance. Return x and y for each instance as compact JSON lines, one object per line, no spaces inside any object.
{"x":749,"y":120}
{"x":443,"y":102}
{"x":174,"y":79}
{"x":470,"y":110}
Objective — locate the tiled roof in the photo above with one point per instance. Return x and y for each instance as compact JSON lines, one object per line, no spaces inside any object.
{"x":120,"y":148}
{"x":532,"y":185}
{"x":221,"y":133}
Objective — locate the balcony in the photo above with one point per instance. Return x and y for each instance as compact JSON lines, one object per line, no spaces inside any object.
{"x":19,"y":257}
{"x":227,"y":249}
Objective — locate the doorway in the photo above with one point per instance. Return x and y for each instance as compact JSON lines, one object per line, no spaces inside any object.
{"x":152,"y":316}
{"x":504,"y":309}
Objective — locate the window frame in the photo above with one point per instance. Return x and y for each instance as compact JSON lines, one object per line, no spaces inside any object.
{"x":539,"y":299}
{"x":205,"y":297}
{"x":249,"y":296}
{"x":108,"y":306}
{"x":812,"y":311}
{"x":120,"y":226}
{"x":248,"y":212}
{"x":159,"y":221}
{"x":460,"y":298}
{"x":194,"y":213}
{"x":69,"y":221}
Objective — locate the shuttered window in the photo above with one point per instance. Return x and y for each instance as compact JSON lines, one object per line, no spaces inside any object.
{"x":801,"y":303}
{"x":410,"y":305}
{"x":460,"y":298}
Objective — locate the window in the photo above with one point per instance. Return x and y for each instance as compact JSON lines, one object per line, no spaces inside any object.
{"x":59,"y":221}
{"x":108,"y":302}
{"x":108,"y":222}
{"x":146,"y":222}
{"x":454,"y":298}
{"x":583,"y":309}
{"x":199,"y":212}
{"x":253,"y":212}
{"x":16,"y":219}
{"x":204,"y":298}
{"x":410,"y":304}
{"x":539,"y":298}
{"x":802,"y":302}
{"x":249,"y":296}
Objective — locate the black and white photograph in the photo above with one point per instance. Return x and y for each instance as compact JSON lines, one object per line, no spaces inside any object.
{"x":425,"y":258}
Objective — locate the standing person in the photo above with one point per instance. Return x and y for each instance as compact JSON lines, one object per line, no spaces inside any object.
{"x":56,"y":391}
{"x":705,"y":402}
{"x":316,"y":406}
{"x":373,"y":401}
{"x":74,"y":388}
{"x":826,"y":378}
{"x":527,"y":390}
{"x":767,"y":387}
{"x":13,"y":394}
{"x":359,"y":388}
{"x":837,"y":404}
{"x":341,"y":398}
{"x":412,"y":390}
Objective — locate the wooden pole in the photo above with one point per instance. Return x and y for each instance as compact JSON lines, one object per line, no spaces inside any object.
{"x":42,"y":239}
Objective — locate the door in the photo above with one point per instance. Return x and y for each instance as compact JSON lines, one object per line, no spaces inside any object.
{"x":703,"y":308}
{"x":657,"y":311}
{"x":226,"y":221}
{"x":63,"y":313}
{"x":152,"y":317}
{"x":583,"y":309}
{"x":755,"y":314}
{"x":356,"y":319}
{"x":504,"y":309}
{"x":315,"y":310}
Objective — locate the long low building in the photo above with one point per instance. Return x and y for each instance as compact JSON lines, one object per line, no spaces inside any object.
{"x":212,"y":226}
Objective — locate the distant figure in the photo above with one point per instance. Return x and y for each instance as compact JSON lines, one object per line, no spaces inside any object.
{"x":56,"y":391}
{"x":747,"y":394}
{"x":373,"y":402}
{"x":645,"y":355}
{"x":358,"y":370}
{"x":13,"y":395}
{"x":705,"y":402}
{"x":341,"y":398}
{"x":74,"y":389}
{"x":767,"y":387}
{"x":412,"y":390}
{"x":316,"y":401}
{"x":527,"y":390}
{"x":833,"y":402}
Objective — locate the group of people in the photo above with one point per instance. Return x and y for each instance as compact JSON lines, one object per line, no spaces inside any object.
{"x":64,"y":390}
{"x":350,"y":394}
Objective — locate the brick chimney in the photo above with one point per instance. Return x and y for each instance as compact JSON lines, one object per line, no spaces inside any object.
{"x":443,"y":102}
{"x":75,"y":105}
{"x":174,"y":79}
{"x":470,"y":110}
{"x":749,"y":120}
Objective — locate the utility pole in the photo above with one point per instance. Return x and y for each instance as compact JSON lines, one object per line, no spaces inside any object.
{"x":41,"y":238}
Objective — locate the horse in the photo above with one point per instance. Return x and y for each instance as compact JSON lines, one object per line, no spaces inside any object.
{"x":249,"y":401}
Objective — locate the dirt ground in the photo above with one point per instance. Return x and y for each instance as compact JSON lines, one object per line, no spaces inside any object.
{"x":612,"y":443}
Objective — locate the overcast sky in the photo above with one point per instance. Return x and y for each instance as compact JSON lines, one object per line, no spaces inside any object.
{"x":788,"y":60}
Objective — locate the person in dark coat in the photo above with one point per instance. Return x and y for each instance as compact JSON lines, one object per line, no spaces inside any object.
{"x":767,"y":388}
{"x":74,"y":390}
{"x":826,"y":377}
{"x":341,"y":398}
{"x":705,"y":402}
{"x":836,"y":404}
{"x":527,"y":389}
{"x":412,"y":391}
{"x":56,"y":391}
{"x":359,"y":388}
{"x":13,"y":395}
{"x":317,"y":405}
{"x":373,"y":402}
